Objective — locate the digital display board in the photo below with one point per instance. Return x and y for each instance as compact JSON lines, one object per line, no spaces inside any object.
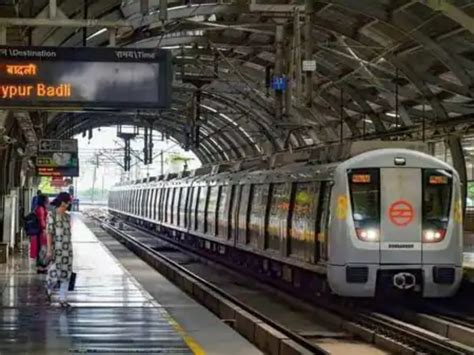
{"x":57,"y":164}
{"x":57,"y":158}
{"x":101,"y":78}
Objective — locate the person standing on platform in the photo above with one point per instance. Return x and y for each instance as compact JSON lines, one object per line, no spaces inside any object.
{"x":34,"y":201}
{"x":60,"y":248}
{"x":38,"y":243}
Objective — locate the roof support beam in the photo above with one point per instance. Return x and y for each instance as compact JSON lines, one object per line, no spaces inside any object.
{"x":46,"y":22}
{"x":453,"y":12}
{"x":53,"y":8}
{"x":3,"y":35}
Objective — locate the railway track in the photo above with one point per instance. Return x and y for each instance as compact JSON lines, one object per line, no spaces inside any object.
{"x":380,"y":328}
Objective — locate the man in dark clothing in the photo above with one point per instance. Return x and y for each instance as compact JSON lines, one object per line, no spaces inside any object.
{"x":34,"y":201}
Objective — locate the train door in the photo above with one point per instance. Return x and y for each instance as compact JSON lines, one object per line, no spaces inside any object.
{"x":400,"y":222}
{"x":322,"y":242}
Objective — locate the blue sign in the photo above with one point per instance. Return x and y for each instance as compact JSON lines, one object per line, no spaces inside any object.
{"x":279,"y":83}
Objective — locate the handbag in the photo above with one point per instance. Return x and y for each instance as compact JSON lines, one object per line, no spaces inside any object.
{"x":72,"y":281}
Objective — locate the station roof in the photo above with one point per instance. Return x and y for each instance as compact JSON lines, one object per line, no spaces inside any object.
{"x":385,"y":68}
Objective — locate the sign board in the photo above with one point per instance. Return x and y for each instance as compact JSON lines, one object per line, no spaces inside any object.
{"x":57,"y":145}
{"x":57,"y":158}
{"x":87,"y":78}
{"x":401,"y":213}
{"x":279,"y":83}
{"x":309,"y":65}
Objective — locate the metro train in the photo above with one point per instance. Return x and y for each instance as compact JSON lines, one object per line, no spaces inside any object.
{"x":383,"y":219}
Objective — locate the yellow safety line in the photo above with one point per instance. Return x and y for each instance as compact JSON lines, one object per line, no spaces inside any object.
{"x":190,"y":342}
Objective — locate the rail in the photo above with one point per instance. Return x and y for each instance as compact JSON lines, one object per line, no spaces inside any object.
{"x":172,"y":269}
{"x":366,"y":320}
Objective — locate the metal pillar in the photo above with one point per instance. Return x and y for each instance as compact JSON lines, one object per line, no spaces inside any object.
{"x":308,"y":50}
{"x":297,"y":55}
{"x":112,"y":37}
{"x":459,"y":163}
{"x":145,"y":6}
{"x":279,"y":43}
{"x":163,"y":10}
{"x":53,"y":9}
{"x":3,"y":35}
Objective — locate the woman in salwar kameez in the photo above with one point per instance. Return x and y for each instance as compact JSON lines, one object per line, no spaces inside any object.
{"x":60,"y":248}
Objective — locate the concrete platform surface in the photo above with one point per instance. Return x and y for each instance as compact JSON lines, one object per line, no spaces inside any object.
{"x":112,"y":313}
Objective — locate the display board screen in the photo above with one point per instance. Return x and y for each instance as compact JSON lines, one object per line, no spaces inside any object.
{"x":103,"y":78}
{"x":57,"y":158}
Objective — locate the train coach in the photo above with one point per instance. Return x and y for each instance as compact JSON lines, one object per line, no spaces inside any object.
{"x":382,"y":219}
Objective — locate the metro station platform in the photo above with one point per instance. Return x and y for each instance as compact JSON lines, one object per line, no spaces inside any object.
{"x":111,"y":312}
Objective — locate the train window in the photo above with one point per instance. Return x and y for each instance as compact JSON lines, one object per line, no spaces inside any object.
{"x":437,"y":192}
{"x":278,"y":216}
{"x":244,"y":214}
{"x":193,"y":208}
{"x":170,"y":209}
{"x":168,"y":204}
{"x":164,"y":195}
{"x":139,"y":202}
{"x":201,"y":209}
{"x":258,"y":207}
{"x":177,"y":201}
{"x":211,"y":209}
{"x":234,"y":211}
{"x":303,"y":221}
{"x":171,"y":203}
{"x":151,"y":204}
{"x":146,"y":208}
{"x":188,"y":207}
{"x":134,"y":199}
{"x":127,"y":208}
{"x":159,"y":206}
{"x":182,"y":206}
{"x":365,"y":197}
{"x":223,"y":218}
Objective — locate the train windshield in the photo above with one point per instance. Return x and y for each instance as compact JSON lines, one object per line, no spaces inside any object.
{"x":436,"y":198}
{"x":365,"y":197}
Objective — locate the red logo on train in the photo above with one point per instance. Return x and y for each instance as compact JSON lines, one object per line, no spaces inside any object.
{"x":401,"y":213}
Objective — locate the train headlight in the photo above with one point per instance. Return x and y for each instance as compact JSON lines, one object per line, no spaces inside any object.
{"x":368,"y":235}
{"x":433,"y":235}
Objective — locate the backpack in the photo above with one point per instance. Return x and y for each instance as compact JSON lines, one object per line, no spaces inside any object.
{"x":32,"y":226}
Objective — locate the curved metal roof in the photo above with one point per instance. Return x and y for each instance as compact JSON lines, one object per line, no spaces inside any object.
{"x":384,"y":67}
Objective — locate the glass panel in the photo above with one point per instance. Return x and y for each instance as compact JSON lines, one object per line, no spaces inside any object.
{"x":170,"y":205}
{"x":182,"y":207}
{"x":223,"y":218}
{"x":365,"y":197}
{"x":234,"y":215}
{"x":436,"y":198}
{"x":243,"y":213}
{"x":193,"y":219}
{"x":278,"y":216}
{"x":211,"y":209}
{"x":202,"y":209}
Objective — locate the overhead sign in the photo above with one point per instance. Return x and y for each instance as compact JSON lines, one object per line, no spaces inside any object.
{"x":401,"y":213}
{"x":57,"y":145}
{"x":57,"y":158}
{"x":309,"y":65}
{"x":88,"y":78}
{"x":279,"y":83}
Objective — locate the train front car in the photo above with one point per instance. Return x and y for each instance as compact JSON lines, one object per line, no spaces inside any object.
{"x":397,"y":225}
